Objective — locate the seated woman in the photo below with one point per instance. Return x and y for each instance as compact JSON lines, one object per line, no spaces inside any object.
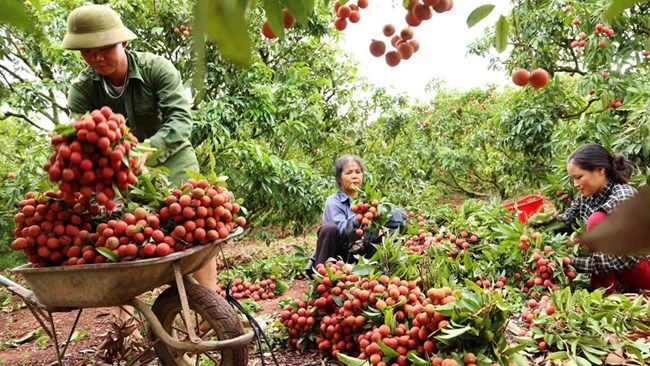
{"x":601,"y":178}
{"x":337,"y":237}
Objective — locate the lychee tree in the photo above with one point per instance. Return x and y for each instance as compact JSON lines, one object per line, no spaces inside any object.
{"x":274,"y":127}
{"x":605,"y":55}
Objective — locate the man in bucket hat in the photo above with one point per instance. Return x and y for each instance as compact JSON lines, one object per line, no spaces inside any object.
{"x":144,"y":87}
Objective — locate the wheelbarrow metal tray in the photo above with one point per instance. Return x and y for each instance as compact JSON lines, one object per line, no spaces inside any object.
{"x":111,"y":284}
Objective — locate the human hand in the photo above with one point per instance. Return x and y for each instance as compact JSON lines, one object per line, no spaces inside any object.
{"x":141,"y":161}
{"x":537,"y":221}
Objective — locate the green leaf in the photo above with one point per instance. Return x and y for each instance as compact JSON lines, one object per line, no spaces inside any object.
{"x":415,"y":360}
{"x":618,"y":6}
{"x":479,"y":14}
{"x":42,"y":341}
{"x":582,"y":362}
{"x":273,"y":9}
{"x":79,"y":335}
{"x":225,"y":23}
{"x":350,"y":361}
{"x":194,"y":174}
{"x":515,"y":349}
{"x":300,"y":9}
{"x":453,"y":333}
{"x":338,"y":301}
{"x":389,"y":318}
{"x":520,"y":360}
{"x":592,"y":358}
{"x":502,"y":33}
{"x":14,"y":13}
{"x":528,"y":341}
{"x":363,"y":269}
{"x":65,"y":129}
{"x":7,"y":300}
{"x":387,"y":350}
{"x":107,"y":253}
{"x":446,"y":309}
{"x":593,"y":350}
{"x":562,"y":355}
{"x":375,"y":316}
{"x":280,"y":286}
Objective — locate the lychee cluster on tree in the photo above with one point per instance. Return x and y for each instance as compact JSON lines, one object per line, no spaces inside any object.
{"x":538,"y":78}
{"x":348,"y":12}
{"x":404,"y":45}
{"x":185,"y":30}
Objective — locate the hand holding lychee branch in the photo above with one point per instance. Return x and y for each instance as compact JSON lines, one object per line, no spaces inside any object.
{"x":365,"y":214}
{"x":372,"y":216}
{"x":142,"y":153}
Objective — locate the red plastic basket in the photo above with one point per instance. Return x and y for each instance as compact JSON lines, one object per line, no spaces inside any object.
{"x":526,"y":207}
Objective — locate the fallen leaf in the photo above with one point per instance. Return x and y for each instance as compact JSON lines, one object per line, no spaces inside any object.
{"x":25,"y":337}
{"x":611,"y":339}
{"x":614,"y":359}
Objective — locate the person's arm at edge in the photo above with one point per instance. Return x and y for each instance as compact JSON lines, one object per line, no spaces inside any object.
{"x":602,"y":264}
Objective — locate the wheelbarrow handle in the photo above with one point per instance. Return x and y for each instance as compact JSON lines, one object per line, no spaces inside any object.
{"x":8,"y":283}
{"x":25,"y":294}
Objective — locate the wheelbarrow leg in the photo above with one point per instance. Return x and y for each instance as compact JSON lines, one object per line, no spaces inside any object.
{"x":42,"y":314}
{"x":184,"y":304}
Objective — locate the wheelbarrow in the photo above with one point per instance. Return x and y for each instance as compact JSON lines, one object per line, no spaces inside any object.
{"x":172,"y":321}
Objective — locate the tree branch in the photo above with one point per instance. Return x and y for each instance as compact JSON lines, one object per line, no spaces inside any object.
{"x":13,"y":74}
{"x":466,"y":191}
{"x":567,"y":69}
{"x":591,"y":101}
{"x":24,"y":117}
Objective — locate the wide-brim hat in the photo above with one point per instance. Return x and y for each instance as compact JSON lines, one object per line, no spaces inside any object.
{"x":93,"y":26}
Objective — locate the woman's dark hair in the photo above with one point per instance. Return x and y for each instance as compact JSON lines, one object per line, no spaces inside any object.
{"x":340,"y":163}
{"x":592,"y":156}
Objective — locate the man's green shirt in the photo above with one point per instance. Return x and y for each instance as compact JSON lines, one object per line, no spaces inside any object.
{"x":154,"y":104}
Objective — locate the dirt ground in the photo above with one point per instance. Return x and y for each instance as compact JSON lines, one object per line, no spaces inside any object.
{"x":21,"y":342}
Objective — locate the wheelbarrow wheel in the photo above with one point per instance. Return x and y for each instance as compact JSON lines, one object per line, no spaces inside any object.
{"x":207,"y":308}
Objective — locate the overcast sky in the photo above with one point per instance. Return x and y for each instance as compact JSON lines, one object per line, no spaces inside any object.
{"x":443,"y":53}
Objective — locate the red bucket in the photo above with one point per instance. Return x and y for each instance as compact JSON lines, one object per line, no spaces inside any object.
{"x":526,"y":207}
